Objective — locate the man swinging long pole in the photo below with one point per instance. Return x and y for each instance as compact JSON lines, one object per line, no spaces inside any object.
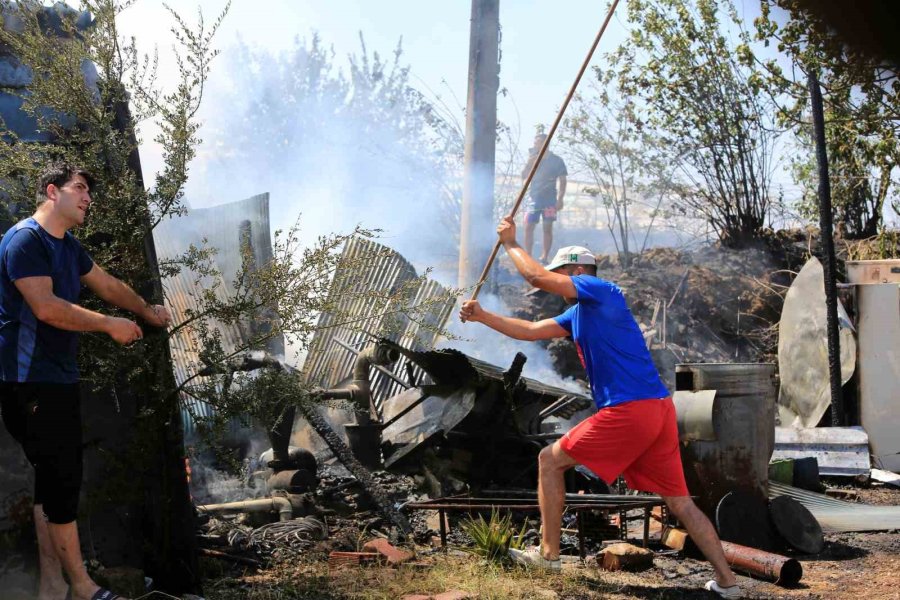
{"x":537,"y":161}
{"x":634,"y":431}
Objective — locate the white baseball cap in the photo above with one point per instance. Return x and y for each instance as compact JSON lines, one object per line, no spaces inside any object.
{"x":572,"y":255}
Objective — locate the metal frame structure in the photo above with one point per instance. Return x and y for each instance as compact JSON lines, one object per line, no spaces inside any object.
{"x":526,"y":501}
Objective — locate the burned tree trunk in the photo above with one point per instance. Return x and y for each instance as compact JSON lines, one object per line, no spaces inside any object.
{"x":169,"y":521}
{"x":345,"y":456}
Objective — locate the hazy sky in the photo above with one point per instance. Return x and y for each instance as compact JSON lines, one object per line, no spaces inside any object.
{"x":542,"y":44}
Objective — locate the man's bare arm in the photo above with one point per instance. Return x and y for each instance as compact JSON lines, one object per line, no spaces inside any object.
{"x":561,"y":194}
{"x":53,"y":310}
{"x":533,"y":271}
{"x":518,"y":329}
{"x":117,"y":293}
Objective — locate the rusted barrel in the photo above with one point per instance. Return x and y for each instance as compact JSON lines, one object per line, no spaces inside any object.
{"x":773,"y":567}
{"x":744,"y":423}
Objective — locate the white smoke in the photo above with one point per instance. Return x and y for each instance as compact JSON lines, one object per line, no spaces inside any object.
{"x":336,"y":143}
{"x":485,"y":344}
{"x":339,"y":144}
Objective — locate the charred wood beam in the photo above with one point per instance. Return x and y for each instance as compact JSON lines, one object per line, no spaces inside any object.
{"x":826,"y":234}
{"x":343,"y":453}
{"x":512,"y":376}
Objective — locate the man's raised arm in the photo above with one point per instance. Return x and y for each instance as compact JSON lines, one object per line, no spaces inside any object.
{"x":533,"y":271}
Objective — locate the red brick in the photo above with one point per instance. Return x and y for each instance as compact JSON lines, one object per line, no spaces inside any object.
{"x":416,"y":597}
{"x":341,"y":559}
{"x":394,"y":556}
{"x":455,"y":595}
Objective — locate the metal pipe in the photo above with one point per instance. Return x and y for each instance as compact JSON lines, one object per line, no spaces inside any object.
{"x":297,"y":480}
{"x":773,"y":567}
{"x":360,"y":390}
{"x":334,"y":394}
{"x":376,"y":355}
{"x":278,"y":504}
{"x":381,"y":369}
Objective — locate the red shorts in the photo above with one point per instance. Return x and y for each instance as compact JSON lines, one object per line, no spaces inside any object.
{"x":638,"y":439}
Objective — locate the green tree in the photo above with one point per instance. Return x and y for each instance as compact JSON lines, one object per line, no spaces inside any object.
{"x":623,"y":161}
{"x":862,"y":112}
{"x":712,"y":117}
{"x":88,"y":122}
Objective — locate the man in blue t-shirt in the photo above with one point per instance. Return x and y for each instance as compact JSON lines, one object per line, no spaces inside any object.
{"x":42,"y":269}
{"x":634,"y":431}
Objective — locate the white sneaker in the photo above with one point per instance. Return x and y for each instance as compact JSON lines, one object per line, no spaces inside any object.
{"x":532,"y":558}
{"x":733,"y":591}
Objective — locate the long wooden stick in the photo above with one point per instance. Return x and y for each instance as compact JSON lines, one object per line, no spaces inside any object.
{"x":540,"y":156}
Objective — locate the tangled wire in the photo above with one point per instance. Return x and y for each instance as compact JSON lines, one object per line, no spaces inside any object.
{"x":296,"y":534}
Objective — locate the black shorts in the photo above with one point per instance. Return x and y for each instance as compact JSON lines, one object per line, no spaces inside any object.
{"x":45,"y":418}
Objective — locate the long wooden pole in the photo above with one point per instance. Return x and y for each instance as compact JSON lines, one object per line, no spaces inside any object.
{"x":540,"y":156}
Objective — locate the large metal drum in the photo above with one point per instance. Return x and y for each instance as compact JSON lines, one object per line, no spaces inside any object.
{"x":743,"y":418}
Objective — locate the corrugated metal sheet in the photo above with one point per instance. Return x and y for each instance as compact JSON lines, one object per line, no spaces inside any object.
{"x":837,"y":515}
{"x":221,"y":227}
{"x":334,"y":347}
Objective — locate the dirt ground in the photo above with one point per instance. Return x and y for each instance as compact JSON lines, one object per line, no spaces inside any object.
{"x":852,"y":566}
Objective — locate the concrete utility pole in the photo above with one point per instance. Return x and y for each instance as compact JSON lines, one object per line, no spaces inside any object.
{"x":477,"y":235}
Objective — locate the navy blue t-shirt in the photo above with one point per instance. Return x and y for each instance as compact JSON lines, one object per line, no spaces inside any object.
{"x":31,"y":350}
{"x":610,"y":344}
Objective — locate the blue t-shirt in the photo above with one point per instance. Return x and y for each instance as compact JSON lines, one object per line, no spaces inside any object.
{"x":610,"y":344}
{"x":31,"y":350}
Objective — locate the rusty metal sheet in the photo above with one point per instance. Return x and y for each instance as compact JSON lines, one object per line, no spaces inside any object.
{"x":334,"y":347}
{"x":221,"y":227}
{"x":452,"y":367}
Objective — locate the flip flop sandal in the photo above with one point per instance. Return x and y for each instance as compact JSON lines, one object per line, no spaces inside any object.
{"x":103,"y":594}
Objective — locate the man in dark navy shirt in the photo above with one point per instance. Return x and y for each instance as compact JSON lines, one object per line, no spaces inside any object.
{"x":633,"y":432}
{"x":42,"y":269}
